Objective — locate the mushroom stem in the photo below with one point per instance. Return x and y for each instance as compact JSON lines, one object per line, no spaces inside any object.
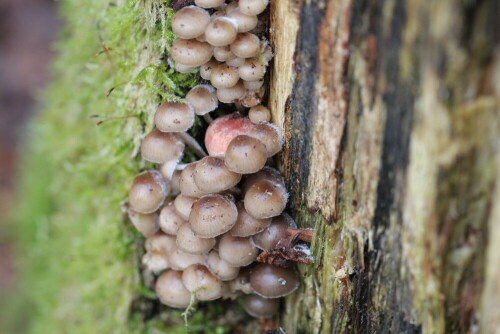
{"x":181,"y":166}
{"x":191,"y":142}
{"x":208,"y":118}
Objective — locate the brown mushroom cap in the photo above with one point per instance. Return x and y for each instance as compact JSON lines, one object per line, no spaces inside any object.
{"x":207,"y":68}
{"x":266,"y":173}
{"x":245,"y":155}
{"x":220,"y":268}
{"x":245,"y":22}
{"x":253,"y":85}
{"x":212,"y":175}
{"x":155,"y":261}
{"x":190,"y":243}
{"x":231,"y":94}
{"x":170,"y":221}
{"x":235,"y":61}
{"x":259,"y":114}
{"x":221,"y":31}
{"x":146,"y":223}
{"x":190,"y":22}
{"x":181,"y":68}
{"x":203,"y":99}
{"x":174,"y":117}
{"x":273,"y":282}
{"x":268,"y":239}
{"x":252,"y":70}
{"x":187,"y":184}
{"x":148,"y":191}
{"x":184,"y":205}
{"x":212,"y":215}
{"x":242,"y":281}
{"x":231,"y":6}
{"x":253,"y":7}
{"x":223,"y":53}
{"x":224,"y":76}
{"x":237,"y":251}
{"x":209,"y":3}
{"x":160,"y":242}
{"x":223,"y":130}
{"x":261,"y":307}
{"x":160,"y":147}
{"x":171,"y":291}
{"x":247,"y":225}
{"x":270,"y":135}
{"x":265,"y":199}
{"x":191,"y":52}
{"x":180,"y":260}
{"x":199,"y":280}
{"x":246,"y":45}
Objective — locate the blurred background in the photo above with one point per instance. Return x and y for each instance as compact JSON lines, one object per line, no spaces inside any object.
{"x":28,"y":29}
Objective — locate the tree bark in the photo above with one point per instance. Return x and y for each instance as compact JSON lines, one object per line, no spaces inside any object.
{"x":390,"y":111}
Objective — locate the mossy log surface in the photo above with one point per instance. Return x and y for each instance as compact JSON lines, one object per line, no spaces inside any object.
{"x":391,"y":116}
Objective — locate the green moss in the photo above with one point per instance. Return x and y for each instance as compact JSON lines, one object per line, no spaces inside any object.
{"x":77,"y":271}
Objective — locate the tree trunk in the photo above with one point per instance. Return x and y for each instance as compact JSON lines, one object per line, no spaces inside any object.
{"x":390,"y":110}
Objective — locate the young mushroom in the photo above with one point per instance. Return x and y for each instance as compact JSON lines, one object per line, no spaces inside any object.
{"x":203,"y":98}
{"x":237,"y":251}
{"x":170,"y":220}
{"x":211,"y":175}
{"x":190,"y":22}
{"x":146,"y":223}
{"x":161,"y":147}
{"x":220,"y":268}
{"x":253,"y":85}
{"x":155,"y":261}
{"x":270,"y":135}
{"x":200,"y":281}
{"x":271,"y":235}
{"x":245,"y":155}
{"x":224,"y":76}
{"x":223,"y":53}
{"x":184,"y":205}
{"x":252,"y":7}
{"x":148,"y":192}
{"x":187,"y":184}
{"x":259,"y":114}
{"x":180,"y":260}
{"x":174,"y":117}
{"x":221,"y":31}
{"x":212,"y":215}
{"x":191,"y":52}
{"x":265,"y":199}
{"x":252,"y":70}
{"x":260,"y":307}
{"x":245,"y":22}
{"x":160,"y":242}
{"x":171,"y":291}
{"x":246,"y":45}
{"x":273,"y":282}
{"x":231,"y":94}
{"x":209,"y":3}
{"x":188,"y":242}
{"x":207,"y":68}
{"x":246,"y":225}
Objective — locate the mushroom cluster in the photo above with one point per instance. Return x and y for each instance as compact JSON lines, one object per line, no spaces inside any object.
{"x":206,"y":222}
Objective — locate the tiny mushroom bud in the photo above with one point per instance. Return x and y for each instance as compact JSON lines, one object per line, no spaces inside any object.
{"x":160,"y":147}
{"x":207,"y":68}
{"x":265,"y":199}
{"x":160,"y":242}
{"x":148,"y":192}
{"x":253,"y":7}
{"x":191,"y":52}
{"x":171,"y":291}
{"x":246,"y":45}
{"x":223,"y":129}
{"x":203,"y":98}
{"x":231,"y":94}
{"x":209,"y":3}
{"x":212,"y":175}
{"x":259,"y":114}
{"x":261,"y":307}
{"x":190,"y":22}
{"x":252,"y":70}
{"x":245,"y":155}
{"x":184,"y":205}
{"x":174,"y":117}
{"x":220,"y":268}
{"x":180,"y":260}
{"x":247,"y":225}
{"x":269,"y":238}
{"x":224,"y":76}
{"x":170,"y":220}
{"x":251,"y":99}
{"x":212,"y":215}
{"x":253,"y":85}
{"x":235,"y":61}
{"x":223,"y":53}
{"x":187,"y":184}
{"x":237,"y":251}
{"x":270,"y":135}
{"x":273,"y":282}
{"x":198,"y":280}
{"x":221,"y":31}
{"x":155,"y":261}
{"x":245,"y":22}
{"x":146,"y":223}
{"x":190,"y":243}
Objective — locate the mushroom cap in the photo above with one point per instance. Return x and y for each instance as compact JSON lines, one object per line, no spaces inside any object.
{"x":223,"y":129}
{"x":245,"y":155}
{"x":247,"y":225}
{"x":180,"y":260}
{"x":266,"y":173}
{"x":251,"y":99}
{"x":231,"y":6}
{"x":221,"y":31}
{"x":171,"y":291}
{"x":190,"y":22}
{"x":220,"y":268}
{"x":148,"y":192}
{"x":259,"y":114}
{"x":235,"y":61}
{"x":273,"y":282}
{"x":174,"y":117}
{"x":212,"y":215}
{"x":160,"y":147}
{"x":265,"y":199}
{"x":190,"y":243}
{"x":253,"y":85}
{"x":231,"y":94}
{"x":268,"y":239}
{"x":184,"y":205}
{"x":203,"y":99}
{"x":199,"y":280}
{"x":186,"y":182}
{"x":270,"y":135}
{"x":252,"y":70}
{"x":207,"y":68}
{"x":181,"y":68}
{"x":260,"y":307}
{"x":246,"y":45}
{"x":160,"y":242}
{"x":224,"y":76}
{"x":191,"y":52}
{"x":212,"y":175}
{"x":237,"y":251}
{"x":242,"y":281}
{"x":155,"y":261}
{"x":209,"y":3}
{"x":223,"y":53}
{"x":170,"y":220}
{"x":245,"y":22}
{"x":253,"y":7}
{"x":174,"y":181}
{"x":146,"y":223}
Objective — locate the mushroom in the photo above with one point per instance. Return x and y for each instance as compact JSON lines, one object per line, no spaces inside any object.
{"x":180,"y":260}
{"x":266,"y":173}
{"x":211,"y":175}
{"x":191,"y":52}
{"x":224,"y":76}
{"x":220,"y":268}
{"x":160,"y":242}
{"x":184,"y":205}
{"x":270,"y":135}
{"x":237,"y":251}
{"x":223,"y":129}
{"x":212,"y":215}
{"x":265,"y":199}
{"x":221,"y":31}
{"x":170,"y":220}
{"x":231,"y":6}
{"x":245,"y":22}
{"x":160,"y":147}
{"x":190,"y":22}
{"x":165,"y":171}
{"x":188,"y":242}
{"x":259,"y":114}
{"x":252,"y":70}
{"x":251,"y":99}
{"x":245,"y":155}
{"x":261,"y":307}
{"x":207,"y":68}
{"x":252,"y":7}
{"x":242,"y":282}
{"x":181,"y":68}
{"x":174,"y":117}
{"x":148,"y":192}
{"x":235,"y":61}
{"x":203,"y":98}
{"x":253,"y":85}
{"x":273,"y":282}
{"x":246,"y":45}
{"x":247,"y":225}
{"x":186,"y":182}
{"x":223,"y":53}
{"x":198,"y":280}
{"x":146,"y":223}
{"x":268,"y":239}
{"x":155,"y":261}
{"x":171,"y":291}
{"x":231,"y":94}
{"x":209,"y":3}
